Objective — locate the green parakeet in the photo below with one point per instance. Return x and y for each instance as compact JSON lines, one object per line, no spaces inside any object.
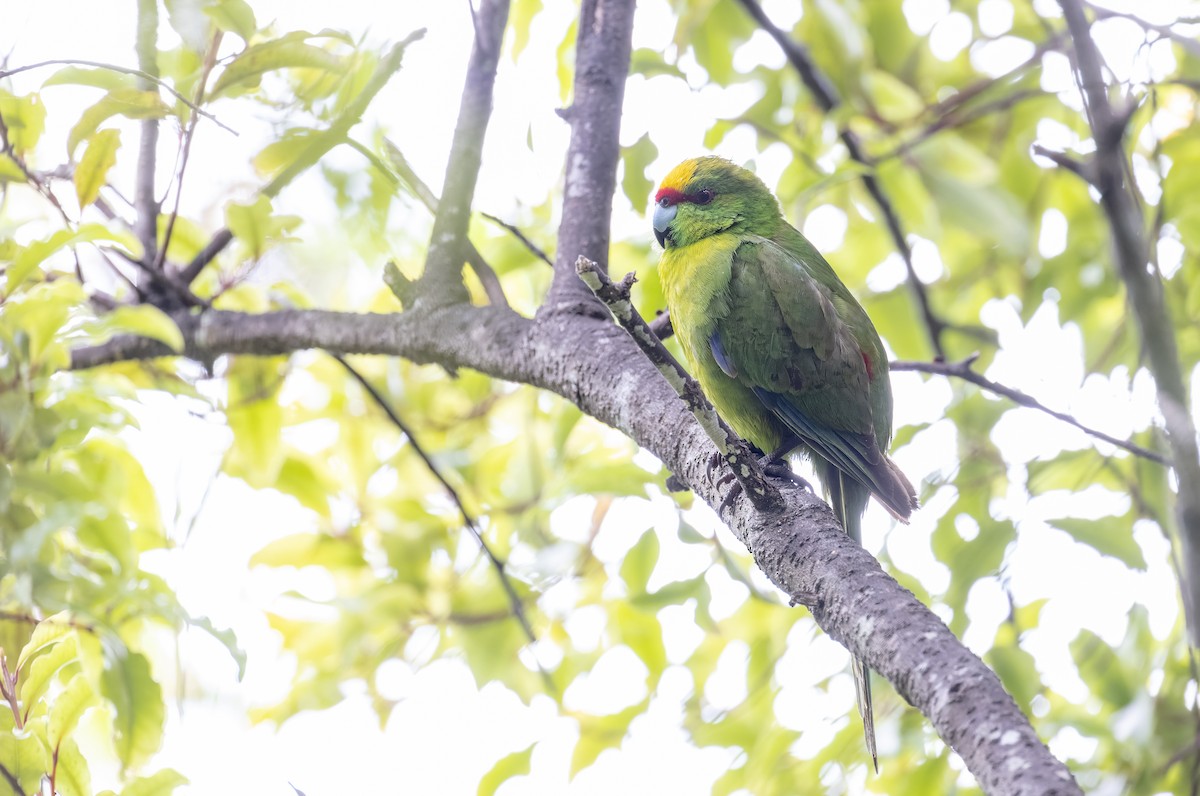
{"x":782,"y":349}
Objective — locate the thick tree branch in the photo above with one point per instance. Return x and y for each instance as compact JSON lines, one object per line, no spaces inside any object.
{"x":1110,"y":173}
{"x":800,"y":546}
{"x":442,"y":281}
{"x":962,"y":370}
{"x":601,"y":66}
{"x":827,"y":99}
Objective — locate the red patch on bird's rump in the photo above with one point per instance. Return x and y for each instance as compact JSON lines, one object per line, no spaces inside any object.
{"x":870,"y":368}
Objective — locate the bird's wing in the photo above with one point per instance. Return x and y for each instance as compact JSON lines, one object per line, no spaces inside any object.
{"x":784,"y":339}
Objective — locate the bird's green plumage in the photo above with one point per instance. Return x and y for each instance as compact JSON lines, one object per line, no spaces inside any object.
{"x":776,"y":340}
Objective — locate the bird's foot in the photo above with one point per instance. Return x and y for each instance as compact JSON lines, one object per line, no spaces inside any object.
{"x":772,"y":467}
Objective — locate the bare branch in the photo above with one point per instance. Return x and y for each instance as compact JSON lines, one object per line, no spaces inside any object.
{"x":734,"y":450}
{"x":1120,"y":203}
{"x":145,"y":224}
{"x":962,"y":370}
{"x":441,"y":283}
{"x":514,"y":599}
{"x":601,"y":66}
{"x":827,"y":99}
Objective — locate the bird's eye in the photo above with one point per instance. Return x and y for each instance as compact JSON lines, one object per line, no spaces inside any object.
{"x":665,"y":201}
{"x":704,"y":197}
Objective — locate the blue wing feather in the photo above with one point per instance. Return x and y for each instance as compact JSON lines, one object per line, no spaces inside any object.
{"x":718,"y":352}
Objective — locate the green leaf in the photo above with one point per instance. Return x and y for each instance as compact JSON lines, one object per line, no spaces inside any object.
{"x":255,"y":226}
{"x":639,"y":562}
{"x":36,"y":253}
{"x":894,"y":100}
{"x":310,"y":549}
{"x":136,"y":697}
{"x":234,"y":16}
{"x":108,"y":79}
{"x":49,"y":631}
{"x":44,"y":667}
{"x":256,"y":419}
{"x":23,"y":754}
{"x":506,"y":767}
{"x":10,"y":171}
{"x":92,"y":172}
{"x":25,"y":118}
{"x":285,"y":53}
{"x":1111,"y":536}
{"x":71,"y":774}
{"x":519,"y":20}
{"x":145,"y":320}
{"x":160,"y":783}
{"x":68,"y":706}
{"x":128,"y":102}
{"x":1102,"y":670}
{"x":597,"y":733}
{"x":636,"y":185}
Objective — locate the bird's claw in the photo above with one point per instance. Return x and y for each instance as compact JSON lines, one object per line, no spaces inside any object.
{"x":773,"y":468}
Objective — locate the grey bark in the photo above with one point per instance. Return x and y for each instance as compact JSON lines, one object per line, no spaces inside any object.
{"x":601,"y":65}
{"x":448,"y":244}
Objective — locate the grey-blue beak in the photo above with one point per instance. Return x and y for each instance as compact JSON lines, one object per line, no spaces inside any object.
{"x":663,"y":216}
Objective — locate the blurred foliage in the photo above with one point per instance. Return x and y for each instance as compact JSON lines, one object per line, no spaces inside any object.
{"x":82,"y":622}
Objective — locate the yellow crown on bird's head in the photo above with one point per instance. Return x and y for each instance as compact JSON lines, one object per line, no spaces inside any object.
{"x":678,"y":177}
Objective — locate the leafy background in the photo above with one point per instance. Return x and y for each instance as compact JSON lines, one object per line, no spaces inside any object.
{"x":246,"y":555}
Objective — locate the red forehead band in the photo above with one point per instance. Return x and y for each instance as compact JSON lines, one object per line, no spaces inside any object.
{"x":670,"y":193}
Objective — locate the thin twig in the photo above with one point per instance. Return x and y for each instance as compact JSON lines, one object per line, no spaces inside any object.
{"x":962,"y":370}
{"x":123,"y":70}
{"x":514,"y":599}
{"x":1063,"y":160}
{"x":521,"y":236}
{"x":734,"y":450}
{"x":210,"y":60}
{"x":827,"y":99}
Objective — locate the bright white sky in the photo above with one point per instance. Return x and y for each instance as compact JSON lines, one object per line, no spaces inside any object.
{"x":446,"y":733}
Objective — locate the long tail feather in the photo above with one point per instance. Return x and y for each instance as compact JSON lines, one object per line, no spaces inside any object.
{"x":848,"y":507}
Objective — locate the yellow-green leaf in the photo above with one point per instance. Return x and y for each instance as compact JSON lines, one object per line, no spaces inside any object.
{"x":92,"y":171}
{"x":131,"y":103}
{"x":277,"y":54}
{"x":235,"y":16}
{"x":71,"y":774}
{"x":160,"y":783}
{"x":136,"y":698}
{"x":507,"y":767}
{"x":145,"y":320}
